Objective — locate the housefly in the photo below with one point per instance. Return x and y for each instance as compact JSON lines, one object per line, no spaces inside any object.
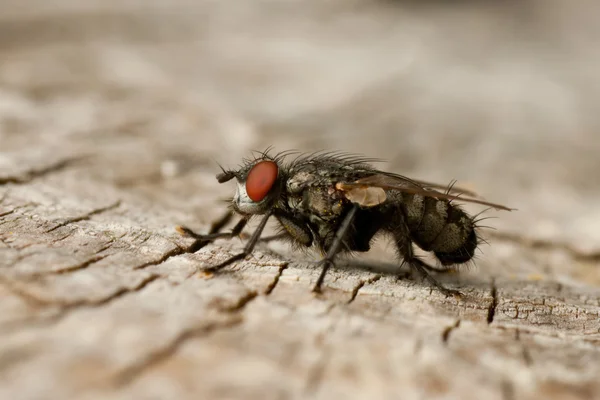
{"x":338,"y":203}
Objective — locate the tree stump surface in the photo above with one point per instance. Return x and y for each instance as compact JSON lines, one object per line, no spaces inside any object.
{"x":114,"y":114}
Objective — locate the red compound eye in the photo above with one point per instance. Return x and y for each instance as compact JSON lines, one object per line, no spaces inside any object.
{"x":261,"y":179}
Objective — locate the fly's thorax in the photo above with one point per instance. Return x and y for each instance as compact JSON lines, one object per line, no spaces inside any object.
{"x":299,"y":181}
{"x":296,"y":186}
{"x":312,"y":193}
{"x":323,"y":201}
{"x":294,"y":202}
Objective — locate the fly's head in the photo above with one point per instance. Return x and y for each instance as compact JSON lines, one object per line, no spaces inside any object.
{"x":259,"y":185}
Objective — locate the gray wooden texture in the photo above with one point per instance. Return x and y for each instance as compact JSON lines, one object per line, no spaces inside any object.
{"x":113,"y":115}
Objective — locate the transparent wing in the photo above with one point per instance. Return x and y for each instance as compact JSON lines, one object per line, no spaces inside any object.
{"x":446,"y":188}
{"x":406,"y":185}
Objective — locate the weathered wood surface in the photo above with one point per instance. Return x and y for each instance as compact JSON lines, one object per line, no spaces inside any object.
{"x":112,"y":115}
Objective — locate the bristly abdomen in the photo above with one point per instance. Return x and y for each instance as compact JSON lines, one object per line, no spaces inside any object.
{"x":441,"y":227}
{"x":462,"y":254}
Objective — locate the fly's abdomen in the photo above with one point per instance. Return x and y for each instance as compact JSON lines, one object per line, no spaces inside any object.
{"x":438,"y":226}
{"x":426,"y":219}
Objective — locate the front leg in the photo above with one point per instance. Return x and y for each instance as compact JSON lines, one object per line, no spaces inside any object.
{"x":214,"y":232}
{"x":295,"y":229}
{"x":249,"y":246}
{"x":335,"y":247}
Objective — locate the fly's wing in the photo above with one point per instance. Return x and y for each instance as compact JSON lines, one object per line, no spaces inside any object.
{"x":447,"y":188}
{"x":366,"y":196}
{"x":402,"y":184}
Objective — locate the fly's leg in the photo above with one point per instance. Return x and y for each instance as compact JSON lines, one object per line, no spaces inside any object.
{"x":209,"y":237}
{"x":214,"y":232}
{"x":293,"y":229}
{"x":335,"y":248}
{"x":422,"y":267}
{"x":215,"y":227}
{"x":273,"y":238}
{"x":267,"y":239}
{"x":437,"y":270}
{"x":406,"y":252}
{"x":249,"y":246}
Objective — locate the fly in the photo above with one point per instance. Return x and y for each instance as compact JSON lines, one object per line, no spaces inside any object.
{"x":338,"y":203}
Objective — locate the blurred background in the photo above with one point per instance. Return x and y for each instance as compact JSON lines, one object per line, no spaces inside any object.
{"x":502,"y":96}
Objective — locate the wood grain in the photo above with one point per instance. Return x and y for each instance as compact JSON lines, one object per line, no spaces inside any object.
{"x":112,"y":118}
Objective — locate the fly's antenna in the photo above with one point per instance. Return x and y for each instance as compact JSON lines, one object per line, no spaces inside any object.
{"x":226,"y":175}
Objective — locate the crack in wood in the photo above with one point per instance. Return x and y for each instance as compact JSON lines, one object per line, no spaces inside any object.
{"x":129,"y":374}
{"x":317,"y":372}
{"x":142,"y":237}
{"x":418,"y":347}
{"x":18,"y":291}
{"x":493,"y":304}
{"x":20,"y":257}
{"x":65,"y":308}
{"x":7,"y":213}
{"x":86,"y":216}
{"x":32,"y":174}
{"x":61,"y":238}
{"x":239,"y":305}
{"x":34,"y":300}
{"x":117,"y":294}
{"x":107,"y":246}
{"x":508,"y":390}
{"x":3,"y":241}
{"x":360,"y":285}
{"x":275,"y":281}
{"x":177,"y":251}
{"x":527,"y":359}
{"x":72,"y":268}
{"x":448,"y":330}
{"x":16,"y":325}
{"x":4,"y":214}
{"x":2,"y":222}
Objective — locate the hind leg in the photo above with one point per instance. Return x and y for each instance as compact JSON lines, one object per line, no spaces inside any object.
{"x":422,"y":268}
{"x":437,"y":270}
{"x":405,"y":250}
